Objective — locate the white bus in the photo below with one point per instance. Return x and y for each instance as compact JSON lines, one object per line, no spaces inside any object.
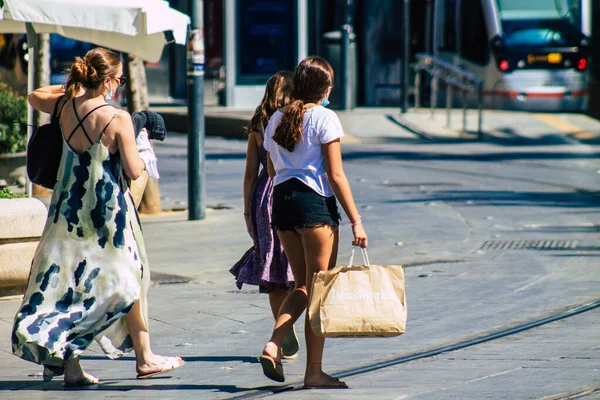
{"x":532,"y":54}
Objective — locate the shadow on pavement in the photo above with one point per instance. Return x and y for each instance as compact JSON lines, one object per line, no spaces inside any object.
{"x":246,"y":359}
{"x":577,"y":255}
{"x":560,"y":229}
{"x":108,"y":385}
{"x":504,"y":136}
{"x":418,"y":155}
{"x":508,"y":198}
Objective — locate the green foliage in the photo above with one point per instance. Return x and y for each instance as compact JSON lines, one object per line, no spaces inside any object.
{"x":1,"y":3}
{"x":13,"y":121}
{"x":6,"y":193}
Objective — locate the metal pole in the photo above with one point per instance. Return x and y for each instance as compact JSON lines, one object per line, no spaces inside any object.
{"x":417,"y":88}
{"x":480,"y":111}
{"x":346,"y":59}
{"x":195,"y":95}
{"x":428,"y":26}
{"x":464,"y":99}
{"x":432,"y":94}
{"x":31,"y":44}
{"x":406,"y":54}
{"x":448,"y":102}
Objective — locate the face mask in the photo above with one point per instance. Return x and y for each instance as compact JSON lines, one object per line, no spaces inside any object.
{"x":325,"y":102}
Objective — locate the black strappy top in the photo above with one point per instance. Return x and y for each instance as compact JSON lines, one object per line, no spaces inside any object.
{"x":81,"y":120}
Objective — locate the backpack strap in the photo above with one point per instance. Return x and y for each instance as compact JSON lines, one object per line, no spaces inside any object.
{"x":56,"y":114}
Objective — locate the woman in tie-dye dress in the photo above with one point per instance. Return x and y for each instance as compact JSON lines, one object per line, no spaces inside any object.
{"x":89,"y":276}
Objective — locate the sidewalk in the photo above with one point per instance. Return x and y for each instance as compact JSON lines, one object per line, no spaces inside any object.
{"x":419,"y":124}
{"x":429,"y":204}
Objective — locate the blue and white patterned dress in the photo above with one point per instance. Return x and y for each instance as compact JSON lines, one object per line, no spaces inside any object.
{"x":89,"y":268}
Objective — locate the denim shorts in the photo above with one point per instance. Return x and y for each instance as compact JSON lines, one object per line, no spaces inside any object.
{"x":297,"y":206}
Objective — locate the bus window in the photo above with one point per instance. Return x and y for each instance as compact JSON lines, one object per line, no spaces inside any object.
{"x":541,"y":23}
{"x":473,"y":33}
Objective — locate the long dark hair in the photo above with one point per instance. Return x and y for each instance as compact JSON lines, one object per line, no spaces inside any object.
{"x":90,"y":71}
{"x":278,"y":94}
{"x":312,"y":80}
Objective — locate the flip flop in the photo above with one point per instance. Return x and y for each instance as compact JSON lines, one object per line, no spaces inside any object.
{"x":87,"y":380}
{"x":271,"y":368}
{"x":333,"y":383}
{"x":170,"y":364}
{"x":290,"y":345}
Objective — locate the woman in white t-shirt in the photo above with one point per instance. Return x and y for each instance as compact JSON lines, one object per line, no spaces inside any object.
{"x":305,"y":162}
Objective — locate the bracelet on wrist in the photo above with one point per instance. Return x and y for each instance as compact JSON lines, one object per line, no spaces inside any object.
{"x":353,"y":224}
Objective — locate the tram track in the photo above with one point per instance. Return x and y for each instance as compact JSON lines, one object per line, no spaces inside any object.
{"x":480,"y":338}
{"x":483,"y":337}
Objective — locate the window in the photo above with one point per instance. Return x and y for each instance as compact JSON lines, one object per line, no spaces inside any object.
{"x":448,"y":31}
{"x":473,"y":33}
{"x":541,"y":23}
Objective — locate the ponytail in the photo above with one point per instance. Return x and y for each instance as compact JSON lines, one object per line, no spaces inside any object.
{"x":289,"y":130}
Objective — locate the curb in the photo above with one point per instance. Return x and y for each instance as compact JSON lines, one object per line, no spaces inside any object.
{"x":217,"y":124}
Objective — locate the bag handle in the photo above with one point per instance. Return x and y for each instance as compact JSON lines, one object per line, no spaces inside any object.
{"x":364,"y":255}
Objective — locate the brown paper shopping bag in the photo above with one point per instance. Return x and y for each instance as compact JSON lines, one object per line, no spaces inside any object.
{"x":358,"y":301}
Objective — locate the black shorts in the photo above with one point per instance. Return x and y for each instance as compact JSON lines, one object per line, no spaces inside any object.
{"x":297,"y":206}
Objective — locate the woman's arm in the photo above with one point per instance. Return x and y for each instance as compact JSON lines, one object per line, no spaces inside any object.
{"x":44,"y":99}
{"x":332,"y":154}
{"x":123,"y":128}
{"x":250,"y":175}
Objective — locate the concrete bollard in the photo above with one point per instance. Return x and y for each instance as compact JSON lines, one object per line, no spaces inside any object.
{"x":21,"y":225}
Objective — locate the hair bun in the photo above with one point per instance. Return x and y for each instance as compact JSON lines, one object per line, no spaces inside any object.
{"x":82,"y":71}
{"x":79,"y":70}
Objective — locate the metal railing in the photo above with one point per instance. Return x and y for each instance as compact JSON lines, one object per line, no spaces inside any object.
{"x":453,"y":77}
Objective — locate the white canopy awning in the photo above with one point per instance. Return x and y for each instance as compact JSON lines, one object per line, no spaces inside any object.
{"x":134,"y":26}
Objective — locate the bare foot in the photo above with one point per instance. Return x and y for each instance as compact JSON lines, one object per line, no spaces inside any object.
{"x":272,"y":350}
{"x":76,"y":376}
{"x":157,"y":364}
{"x":271,"y":363}
{"x":323,"y":381}
{"x":81,"y":380}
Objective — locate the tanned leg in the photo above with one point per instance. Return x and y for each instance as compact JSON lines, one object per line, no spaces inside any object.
{"x":146,"y":361}
{"x":295,"y":302}
{"x":276,"y":298}
{"x":320,"y":248}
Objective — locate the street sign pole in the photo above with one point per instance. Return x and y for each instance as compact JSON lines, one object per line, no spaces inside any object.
{"x":31,"y":46}
{"x":346,"y":59}
{"x":406,"y":54}
{"x":195,"y":103}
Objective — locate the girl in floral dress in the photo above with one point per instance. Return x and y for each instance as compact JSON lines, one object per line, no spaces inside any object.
{"x":265,"y":263}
